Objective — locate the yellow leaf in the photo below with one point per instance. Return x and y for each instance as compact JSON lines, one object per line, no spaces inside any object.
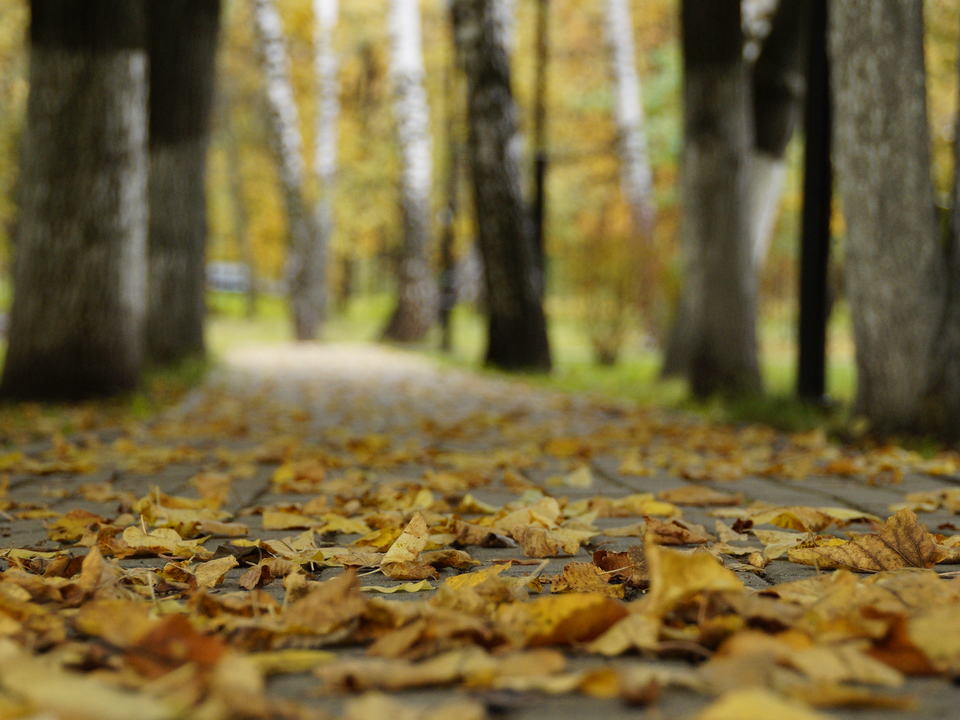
{"x":293,"y":660}
{"x":758,"y":704}
{"x":209,"y":574}
{"x":409,"y":587}
{"x":410,"y":544}
{"x":676,"y":576}
{"x":475,"y":578}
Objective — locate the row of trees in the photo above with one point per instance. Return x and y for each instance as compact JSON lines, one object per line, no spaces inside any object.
{"x":110,"y":250}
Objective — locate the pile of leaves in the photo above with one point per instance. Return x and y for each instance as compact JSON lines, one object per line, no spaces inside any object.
{"x":170,"y":605}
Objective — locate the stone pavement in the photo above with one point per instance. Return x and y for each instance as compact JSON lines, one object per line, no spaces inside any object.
{"x":380,"y":416}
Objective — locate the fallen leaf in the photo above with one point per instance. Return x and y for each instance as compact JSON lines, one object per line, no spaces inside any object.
{"x":901,"y":543}
{"x":409,"y":587}
{"x":758,"y":704}
{"x":585,"y":577}
{"x":699,"y":496}
{"x":677,"y":576}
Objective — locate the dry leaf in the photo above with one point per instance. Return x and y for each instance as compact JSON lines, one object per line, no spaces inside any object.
{"x":629,"y":566}
{"x":901,"y":543}
{"x":699,"y":496}
{"x":676,"y":532}
{"x":758,"y":704}
{"x":677,"y":576}
{"x":585,"y":577}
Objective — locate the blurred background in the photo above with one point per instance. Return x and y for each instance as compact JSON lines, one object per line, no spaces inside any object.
{"x":609,"y":300}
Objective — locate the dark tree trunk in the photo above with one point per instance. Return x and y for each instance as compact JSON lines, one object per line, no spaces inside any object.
{"x":779,"y":88}
{"x":718,"y":335}
{"x":182,"y":45}
{"x":817,"y":209}
{"x":517,"y":334}
{"x":76,"y":326}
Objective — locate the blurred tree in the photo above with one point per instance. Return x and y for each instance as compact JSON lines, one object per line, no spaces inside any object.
{"x":416,"y":289}
{"x":325,"y":14}
{"x":903,"y":278}
{"x":517,"y":330}
{"x":636,"y":176}
{"x":714,"y":342}
{"x":182,"y":45}
{"x":306,"y":263}
{"x":76,"y":326}
{"x":779,"y":87}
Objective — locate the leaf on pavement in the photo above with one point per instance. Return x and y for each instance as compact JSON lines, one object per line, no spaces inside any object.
{"x":560,"y":619}
{"x":676,"y":532}
{"x":901,"y":543}
{"x":537,"y":542}
{"x":700,"y":496}
{"x":677,"y":576}
{"x":326,"y":606}
{"x":758,"y":704}
{"x":629,"y":566}
{"x":72,"y":526}
{"x":409,"y":587}
{"x":585,"y":577}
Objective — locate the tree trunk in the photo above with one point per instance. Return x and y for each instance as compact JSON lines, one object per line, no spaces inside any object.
{"x":636,"y":177}
{"x":718,"y":334}
{"x":76,"y":326}
{"x":325,"y":158}
{"x":182,"y":44}
{"x":416,"y":289}
{"x":305,"y":261}
{"x":779,"y":87}
{"x":896,"y":275}
{"x":517,"y":326}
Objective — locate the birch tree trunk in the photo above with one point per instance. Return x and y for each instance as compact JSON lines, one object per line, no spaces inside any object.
{"x":76,"y":325}
{"x":716,"y":338}
{"x":325,"y":157}
{"x":416,"y":292}
{"x":182,"y":43}
{"x":306,"y":261}
{"x":779,"y":88}
{"x":636,"y":177}
{"x":517,"y":332}
{"x":897,"y":277}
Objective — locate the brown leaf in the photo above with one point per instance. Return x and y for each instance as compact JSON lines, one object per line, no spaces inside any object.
{"x":327,"y":605}
{"x":72,"y":526}
{"x":630,"y":566}
{"x":699,"y":496}
{"x":585,"y":577}
{"x":539,"y":543}
{"x":676,"y":532}
{"x":901,"y":543}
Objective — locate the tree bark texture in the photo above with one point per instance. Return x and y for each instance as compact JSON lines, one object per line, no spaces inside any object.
{"x":719,"y":334}
{"x":182,"y":44}
{"x":325,"y":157}
{"x":517,"y":334}
{"x":896,"y":274}
{"x":779,"y":88}
{"x":636,"y":177}
{"x":76,"y":326}
{"x":305,"y":260}
{"x":417,"y":299}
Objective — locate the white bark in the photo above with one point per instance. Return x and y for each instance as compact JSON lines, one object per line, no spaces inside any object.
{"x":328,"y":114}
{"x":636,"y":177}
{"x":417,"y":291}
{"x":328,"y":90}
{"x":767,"y":178}
{"x":305,"y":257}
